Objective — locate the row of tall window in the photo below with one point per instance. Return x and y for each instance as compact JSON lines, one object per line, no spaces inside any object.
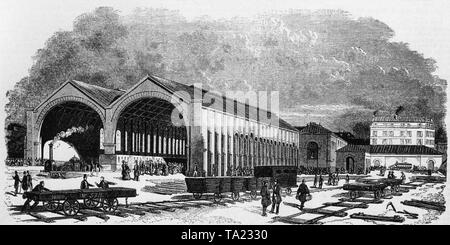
{"x":149,"y":140}
{"x":403,"y":142}
{"x":245,"y":151}
{"x":402,"y":133}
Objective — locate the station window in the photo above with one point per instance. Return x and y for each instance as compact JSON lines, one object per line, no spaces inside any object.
{"x":118,"y":141}
{"x":312,"y":150}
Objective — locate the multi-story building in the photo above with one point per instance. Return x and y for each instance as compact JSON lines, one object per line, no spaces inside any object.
{"x":397,"y":130}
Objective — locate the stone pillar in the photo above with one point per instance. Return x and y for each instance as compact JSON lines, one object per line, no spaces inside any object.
{"x":196,"y":135}
{"x":30,"y":137}
{"x":108,"y":158}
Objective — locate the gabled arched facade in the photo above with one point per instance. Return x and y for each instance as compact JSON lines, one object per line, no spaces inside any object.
{"x":158,"y":117}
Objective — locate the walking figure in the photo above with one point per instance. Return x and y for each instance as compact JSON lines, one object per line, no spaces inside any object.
{"x":301,"y":193}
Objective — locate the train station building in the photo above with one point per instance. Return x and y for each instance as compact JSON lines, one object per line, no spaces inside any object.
{"x":358,"y":158}
{"x":162,"y":119}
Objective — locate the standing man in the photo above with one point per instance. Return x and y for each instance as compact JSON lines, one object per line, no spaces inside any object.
{"x":320,"y":181}
{"x":265,"y":197}
{"x":17,"y":181}
{"x":84,"y":183}
{"x":195,"y":170}
{"x":136,"y":171}
{"x":301,"y":193}
{"x":347,"y":179}
{"x":315,"y":180}
{"x":276,"y":197}
{"x":25,"y":181}
{"x":30,"y":181}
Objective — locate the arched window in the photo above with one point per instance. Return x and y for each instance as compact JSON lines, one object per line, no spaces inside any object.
{"x":376,"y":163}
{"x":312,"y":151}
{"x":102,"y":136}
{"x":118,"y":141}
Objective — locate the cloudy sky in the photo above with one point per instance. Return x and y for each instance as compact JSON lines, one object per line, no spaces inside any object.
{"x":25,"y":25}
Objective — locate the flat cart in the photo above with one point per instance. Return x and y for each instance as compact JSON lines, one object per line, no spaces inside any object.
{"x":218,"y":185}
{"x":200,"y":185}
{"x":394,"y":184}
{"x":355,"y":189}
{"x":286,"y":175}
{"x":107,"y":198}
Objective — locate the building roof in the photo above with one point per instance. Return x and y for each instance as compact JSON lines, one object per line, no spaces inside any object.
{"x":102,"y":95}
{"x":401,"y":119}
{"x":355,"y":148}
{"x":391,"y":149}
{"x":314,"y":128}
{"x":252,"y":112}
{"x":106,"y":97}
{"x":350,"y":138}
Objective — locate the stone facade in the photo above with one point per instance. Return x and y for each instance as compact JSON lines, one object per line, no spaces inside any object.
{"x":327,"y":144}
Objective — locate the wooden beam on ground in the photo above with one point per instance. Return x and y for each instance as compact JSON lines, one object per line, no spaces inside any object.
{"x":99,"y":215}
{"x":395,"y":218}
{"x":423,"y":205}
{"x":374,"y":201}
{"x":346,"y":205}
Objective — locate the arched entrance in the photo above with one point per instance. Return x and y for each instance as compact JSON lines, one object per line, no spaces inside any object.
{"x":350,"y":164}
{"x":312,"y":152}
{"x":75,"y":123}
{"x":430,"y":164}
{"x":145,"y":131}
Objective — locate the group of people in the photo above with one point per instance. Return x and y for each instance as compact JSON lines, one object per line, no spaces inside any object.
{"x":318,"y":170}
{"x":26,"y":183}
{"x":275,"y":199}
{"x":24,"y":162}
{"x":150,"y":168}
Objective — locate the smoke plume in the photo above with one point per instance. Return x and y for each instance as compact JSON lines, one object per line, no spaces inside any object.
{"x":69,"y":132}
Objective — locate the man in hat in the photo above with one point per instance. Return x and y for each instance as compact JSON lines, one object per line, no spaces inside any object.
{"x":276,"y":197}
{"x":301,"y":193}
{"x":84,"y":183}
{"x":104,"y":183}
{"x":38,"y":188}
{"x":265,"y":197}
{"x":136,"y":171}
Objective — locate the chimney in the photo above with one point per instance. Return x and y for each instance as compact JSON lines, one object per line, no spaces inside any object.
{"x":50,"y":151}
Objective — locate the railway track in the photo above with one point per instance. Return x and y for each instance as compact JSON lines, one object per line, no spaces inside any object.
{"x":123,"y":211}
{"x":155,"y":208}
{"x":346,"y":204}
